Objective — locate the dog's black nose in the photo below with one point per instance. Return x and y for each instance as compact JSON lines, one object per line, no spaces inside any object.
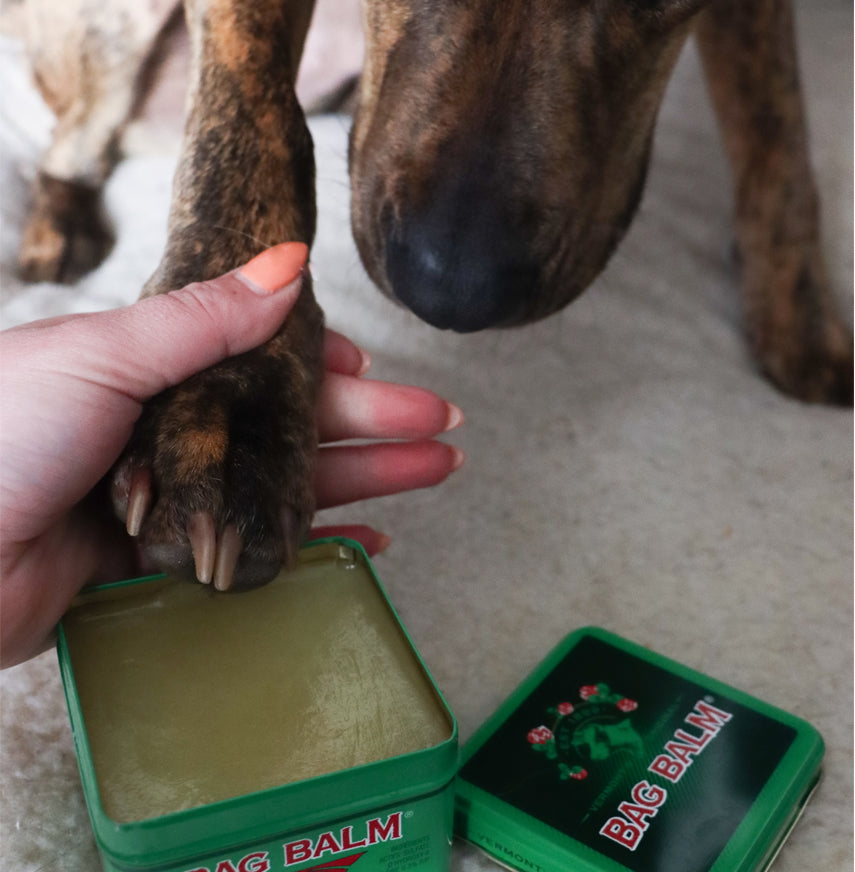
{"x":460,"y":268}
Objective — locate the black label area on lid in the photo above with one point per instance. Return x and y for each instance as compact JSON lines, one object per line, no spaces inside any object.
{"x":643,"y":766}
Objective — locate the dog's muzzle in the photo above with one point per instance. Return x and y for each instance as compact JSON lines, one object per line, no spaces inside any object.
{"x":461,"y":263}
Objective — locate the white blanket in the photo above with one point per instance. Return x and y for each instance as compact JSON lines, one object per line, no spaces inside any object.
{"x":626,"y":465}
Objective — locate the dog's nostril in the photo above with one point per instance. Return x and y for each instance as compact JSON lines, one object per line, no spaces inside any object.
{"x":465,"y":286}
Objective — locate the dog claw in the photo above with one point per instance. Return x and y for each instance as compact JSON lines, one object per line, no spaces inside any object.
{"x":290,"y":535}
{"x":139,"y":501}
{"x":228,"y":553}
{"x":202,"y":534}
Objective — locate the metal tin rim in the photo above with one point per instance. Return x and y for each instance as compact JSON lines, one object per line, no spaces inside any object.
{"x":184,"y":834}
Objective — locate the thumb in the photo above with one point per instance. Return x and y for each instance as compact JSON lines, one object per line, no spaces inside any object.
{"x":159,"y":341}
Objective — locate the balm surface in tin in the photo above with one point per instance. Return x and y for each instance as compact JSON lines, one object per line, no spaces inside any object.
{"x":610,"y":758}
{"x":293,"y":727}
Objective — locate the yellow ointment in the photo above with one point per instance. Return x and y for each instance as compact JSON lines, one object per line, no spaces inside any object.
{"x":190,"y":696}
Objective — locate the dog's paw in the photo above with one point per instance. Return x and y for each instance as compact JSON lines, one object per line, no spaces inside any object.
{"x":67,"y":233}
{"x":798,"y":337}
{"x":819,"y":371}
{"x":217,"y":483}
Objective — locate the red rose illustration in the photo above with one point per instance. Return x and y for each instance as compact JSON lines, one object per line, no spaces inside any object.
{"x":588,"y":691}
{"x":580,"y":775}
{"x":565,"y":708}
{"x":539,"y":735}
{"x":627,"y":705}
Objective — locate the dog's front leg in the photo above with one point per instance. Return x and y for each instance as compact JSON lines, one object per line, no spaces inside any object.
{"x":218,"y":480}
{"x":792,"y":322}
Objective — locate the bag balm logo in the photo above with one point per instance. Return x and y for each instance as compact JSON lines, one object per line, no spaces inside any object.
{"x":373,"y":832}
{"x":628,"y":826}
{"x":587,"y":732}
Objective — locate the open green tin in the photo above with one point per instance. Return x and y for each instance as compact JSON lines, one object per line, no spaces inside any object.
{"x":294,"y":727}
{"x":610,"y":758}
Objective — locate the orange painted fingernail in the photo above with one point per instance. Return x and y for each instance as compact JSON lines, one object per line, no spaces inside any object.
{"x":275,"y":267}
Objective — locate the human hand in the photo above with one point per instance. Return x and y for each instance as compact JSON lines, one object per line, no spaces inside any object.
{"x":73,"y":387}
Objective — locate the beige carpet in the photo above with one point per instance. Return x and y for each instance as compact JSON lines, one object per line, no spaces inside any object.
{"x":627,"y":468}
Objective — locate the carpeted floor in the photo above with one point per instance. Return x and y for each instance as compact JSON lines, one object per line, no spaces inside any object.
{"x":626,"y":466}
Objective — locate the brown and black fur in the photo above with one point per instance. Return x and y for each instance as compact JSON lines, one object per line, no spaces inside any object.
{"x":498,"y":154}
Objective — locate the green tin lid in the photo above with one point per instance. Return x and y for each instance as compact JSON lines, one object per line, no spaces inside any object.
{"x":610,"y":758}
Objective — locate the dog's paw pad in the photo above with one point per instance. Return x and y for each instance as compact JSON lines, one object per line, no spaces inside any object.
{"x":212,"y":557}
{"x":204,"y":548}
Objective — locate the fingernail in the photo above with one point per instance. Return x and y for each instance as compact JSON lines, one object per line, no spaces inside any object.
{"x":455,"y":417}
{"x":365,"y":362}
{"x":458,"y":458}
{"x":274,"y":268}
{"x":383,"y":542}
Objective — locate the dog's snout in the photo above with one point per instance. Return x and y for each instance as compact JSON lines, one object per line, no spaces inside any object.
{"x":465,"y":272}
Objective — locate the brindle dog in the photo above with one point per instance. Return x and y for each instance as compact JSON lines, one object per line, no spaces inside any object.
{"x":497,"y":156}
